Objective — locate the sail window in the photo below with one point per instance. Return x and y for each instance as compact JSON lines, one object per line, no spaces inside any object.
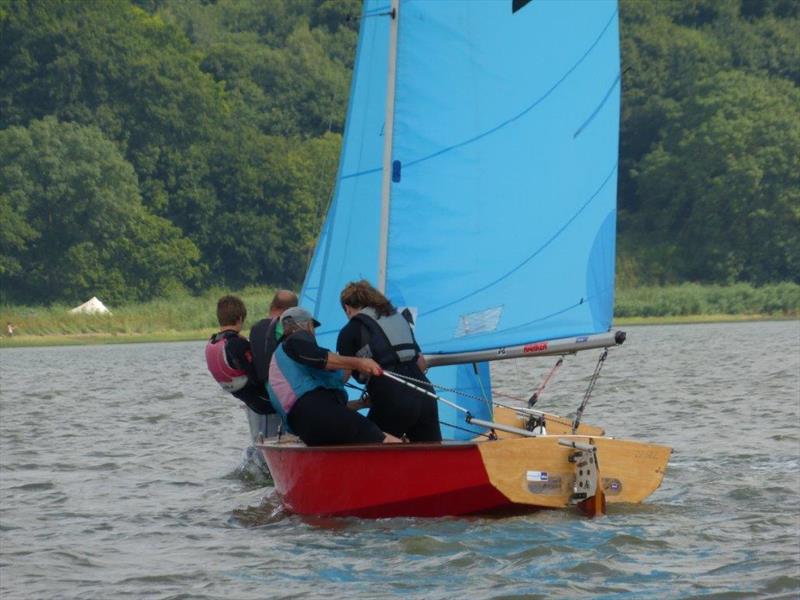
{"x":478,"y":322}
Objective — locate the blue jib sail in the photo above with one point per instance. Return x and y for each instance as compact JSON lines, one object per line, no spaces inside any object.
{"x":504,"y":169}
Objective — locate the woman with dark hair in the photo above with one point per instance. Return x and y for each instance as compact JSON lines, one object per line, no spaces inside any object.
{"x":376,"y":330}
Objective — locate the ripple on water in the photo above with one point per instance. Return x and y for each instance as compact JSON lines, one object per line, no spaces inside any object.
{"x":145,"y":492}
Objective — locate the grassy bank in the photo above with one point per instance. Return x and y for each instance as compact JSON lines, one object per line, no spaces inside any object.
{"x":179,"y":318}
{"x":192,"y":317}
{"x":694,"y":300}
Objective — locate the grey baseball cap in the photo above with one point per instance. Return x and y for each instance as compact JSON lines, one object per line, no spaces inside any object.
{"x":298,"y":315}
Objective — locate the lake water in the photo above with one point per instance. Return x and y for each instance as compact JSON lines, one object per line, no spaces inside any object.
{"x":119,"y":477}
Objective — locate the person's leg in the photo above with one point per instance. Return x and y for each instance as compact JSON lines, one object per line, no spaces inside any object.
{"x":393,"y":409}
{"x":426,"y":428}
{"x":319,"y":419}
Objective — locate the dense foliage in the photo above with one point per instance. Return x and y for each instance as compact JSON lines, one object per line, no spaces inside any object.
{"x":152,"y":145}
{"x":710,"y":141}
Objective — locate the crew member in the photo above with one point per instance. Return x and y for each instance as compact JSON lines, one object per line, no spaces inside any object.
{"x":230,"y":360}
{"x":377,"y":330}
{"x":264,"y":335}
{"x":306,"y":386}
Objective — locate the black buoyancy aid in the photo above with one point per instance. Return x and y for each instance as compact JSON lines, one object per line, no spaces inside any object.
{"x":263,"y":347}
{"x":390,"y":340}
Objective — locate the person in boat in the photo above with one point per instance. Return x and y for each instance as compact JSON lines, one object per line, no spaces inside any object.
{"x":377,"y":330}
{"x":264,"y":334}
{"x":230,"y":360}
{"x":306,"y":386}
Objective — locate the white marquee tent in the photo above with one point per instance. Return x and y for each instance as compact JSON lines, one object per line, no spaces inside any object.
{"x":93,"y":306}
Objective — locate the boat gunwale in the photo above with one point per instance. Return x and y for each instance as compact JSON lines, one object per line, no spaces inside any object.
{"x":434,"y":446}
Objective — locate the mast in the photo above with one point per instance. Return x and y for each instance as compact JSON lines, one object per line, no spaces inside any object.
{"x":388,"y":133}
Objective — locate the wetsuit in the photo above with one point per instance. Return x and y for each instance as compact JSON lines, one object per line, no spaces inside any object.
{"x":395,"y":408}
{"x":239,"y":358}
{"x":263,"y":341}
{"x":312,"y":398}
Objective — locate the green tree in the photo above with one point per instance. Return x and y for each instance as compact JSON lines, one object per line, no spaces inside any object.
{"x":723,"y":186}
{"x":275,"y":192}
{"x":77,"y":225}
{"x":113,"y":65}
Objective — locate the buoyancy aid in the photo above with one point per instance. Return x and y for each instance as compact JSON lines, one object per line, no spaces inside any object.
{"x":229,"y":378}
{"x":263,"y":340}
{"x":391,"y":340}
{"x":289,"y":380}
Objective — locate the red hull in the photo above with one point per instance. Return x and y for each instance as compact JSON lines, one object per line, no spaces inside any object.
{"x":391,"y":480}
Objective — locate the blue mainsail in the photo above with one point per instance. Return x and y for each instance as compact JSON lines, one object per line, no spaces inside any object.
{"x":502,"y":218}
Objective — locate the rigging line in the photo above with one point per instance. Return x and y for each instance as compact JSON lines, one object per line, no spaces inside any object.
{"x":398,"y":377}
{"x":508,"y":121}
{"x":599,"y":106}
{"x":481,"y":433}
{"x":486,"y":399}
{"x":590,"y":387}
{"x":548,"y":416}
{"x":538,"y":393}
{"x":401,"y":378}
{"x":531,"y":256}
{"x":457,"y":392}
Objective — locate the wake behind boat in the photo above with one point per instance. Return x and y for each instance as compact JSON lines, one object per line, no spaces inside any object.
{"x":477,"y":188}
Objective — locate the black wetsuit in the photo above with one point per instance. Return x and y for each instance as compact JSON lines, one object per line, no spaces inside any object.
{"x":395,"y":408}
{"x":263,"y":342}
{"x":321,"y":417}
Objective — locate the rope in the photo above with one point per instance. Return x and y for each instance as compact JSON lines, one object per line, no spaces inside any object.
{"x":589,"y":389}
{"x":401,"y":378}
{"x":364,"y":391}
{"x":480,"y":383}
{"x":462,"y":393}
{"x":408,"y":380}
{"x":535,"y":397}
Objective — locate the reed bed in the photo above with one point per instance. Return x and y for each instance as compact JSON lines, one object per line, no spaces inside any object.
{"x":184,"y":317}
{"x":692,"y":299}
{"x":170,"y":317}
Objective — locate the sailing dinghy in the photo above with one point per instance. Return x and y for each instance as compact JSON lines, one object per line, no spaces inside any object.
{"x":477,"y":187}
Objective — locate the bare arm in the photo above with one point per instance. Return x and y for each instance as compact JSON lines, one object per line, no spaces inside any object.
{"x":423,"y":366}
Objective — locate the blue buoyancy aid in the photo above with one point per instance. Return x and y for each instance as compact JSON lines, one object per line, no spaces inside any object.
{"x":289,"y":380}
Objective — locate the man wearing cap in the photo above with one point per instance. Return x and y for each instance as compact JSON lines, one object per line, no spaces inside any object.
{"x":306,"y":387}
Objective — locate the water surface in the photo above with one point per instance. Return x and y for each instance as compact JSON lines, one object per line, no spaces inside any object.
{"x":119,"y":476}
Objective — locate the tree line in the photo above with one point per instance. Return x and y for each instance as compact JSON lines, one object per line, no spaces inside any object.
{"x":151,"y":146}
